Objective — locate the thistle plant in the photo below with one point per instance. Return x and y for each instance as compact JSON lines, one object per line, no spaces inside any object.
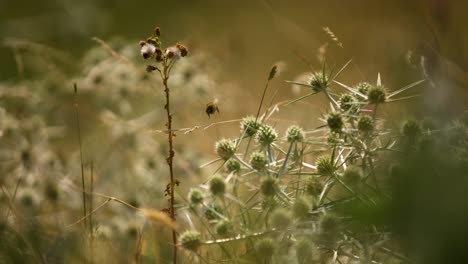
{"x":163,"y":62}
{"x":292,"y":193}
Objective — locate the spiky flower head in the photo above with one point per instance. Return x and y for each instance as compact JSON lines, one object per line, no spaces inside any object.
{"x":266,"y":134}
{"x":318,"y":81}
{"x":301,"y":207}
{"x":365,"y":124}
{"x":258,"y":161}
{"x":268,"y":186}
{"x":335,"y":122}
{"x":325,"y":166}
{"x":352,"y":175}
{"x":249,"y":126}
{"x":223,"y":227}
{"x":195,"y":196}
{"x":280,"y":218}
{"x":225,"y":148}
{"x":295,"y":134}
{"x":217,"y":186}
{"x":265,"y":248}
{"x":233,"y":166}
{"x":190,"y":240}
{"x":411,"y":129}
{"x":213,"y":212}
{"x":376,"y":94}
{"x":348,"y":103}
{"x":363,"y":88}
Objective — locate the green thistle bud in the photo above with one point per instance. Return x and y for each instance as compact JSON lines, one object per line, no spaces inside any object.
{"x":233,"y":166}
{"x":217,"y":186}
{"x":280,"y":218}
{"x":266,"y":135}
{"x":249,"y":126}
{"x":295,"y":134}
{"x":258,"y":161}
{"x":213,"y":212}
{"x":190,"y":240}
{"x":268,"y":186}
{"x":195,"y":196}
{"x":301,"y":208}
{"x":335,"y":122}
{"x":376,"y":95}
{"x":411,"y":129}
{"x":225,"y":148}
{"x":223,"y":227}
{"x":265,"y":248}
{"x":348,"y":103}
{"x":365,"y":124}
{"x":318,"y":81}
{"x":352,"y":175}
{"x":363,"y":88}
{"x":325,"y":166}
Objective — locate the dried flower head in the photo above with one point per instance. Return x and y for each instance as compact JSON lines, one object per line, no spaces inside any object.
{"x":172,"y":53}
{"x":157,"y":31}
{"x":182,"y":49}
{"x":147,"y":51}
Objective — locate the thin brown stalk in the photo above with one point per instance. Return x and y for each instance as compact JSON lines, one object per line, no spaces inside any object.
{"x":81,"y":154}
{"x":170,"y":157}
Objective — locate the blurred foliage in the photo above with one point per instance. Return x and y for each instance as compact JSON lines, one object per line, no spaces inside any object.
{"x":46,"y":46}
